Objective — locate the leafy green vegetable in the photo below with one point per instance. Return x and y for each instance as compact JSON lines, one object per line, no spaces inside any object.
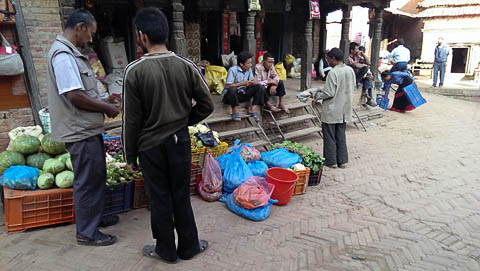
{"x":64,"y":179}
{"x":63,"y":157}
{"x":46,"y":181}
{"x":53,"y":166}
{"x":68,"y":164}
{"x":310,"y":159}
{"x":10,"y":158}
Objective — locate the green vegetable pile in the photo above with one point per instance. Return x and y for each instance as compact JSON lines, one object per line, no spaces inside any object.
{"x":310,"y":159}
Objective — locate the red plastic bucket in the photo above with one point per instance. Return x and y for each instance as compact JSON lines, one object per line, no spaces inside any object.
{"x":285,"y":181}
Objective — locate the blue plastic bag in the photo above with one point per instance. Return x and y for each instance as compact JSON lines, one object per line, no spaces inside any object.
{"x":222,"y":160}
{"x":281,"y":158}
{"x":236,"y":170}
{"x":257,"y":214}
{"x":20,"y":177}
{"x":258,"y":168}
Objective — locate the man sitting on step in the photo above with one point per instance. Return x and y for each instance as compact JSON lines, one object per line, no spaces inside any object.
{"x":240,"y":86}
{"x":266,"y":76}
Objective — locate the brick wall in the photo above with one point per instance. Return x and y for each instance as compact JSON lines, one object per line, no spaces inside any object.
{"x":42,"y":19}
{"x":11,"y":119}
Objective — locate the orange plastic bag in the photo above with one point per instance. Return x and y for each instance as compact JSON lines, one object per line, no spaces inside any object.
{"x":253,"y":193}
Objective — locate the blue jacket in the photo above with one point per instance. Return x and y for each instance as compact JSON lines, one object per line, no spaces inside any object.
{"x":441,"y":53}
{"x":397,"y":78}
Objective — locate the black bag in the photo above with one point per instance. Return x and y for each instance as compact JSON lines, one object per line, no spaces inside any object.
{"x":207,"y":139}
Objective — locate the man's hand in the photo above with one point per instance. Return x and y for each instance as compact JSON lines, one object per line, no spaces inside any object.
{"x":272,"y":82}
{"x":112,"y":111}
{"x":252,"y":82}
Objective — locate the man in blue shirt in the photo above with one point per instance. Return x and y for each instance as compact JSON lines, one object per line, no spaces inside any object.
{"x":441,"y":55}
{"x":241,"y":87}
{"x":401,"y":56}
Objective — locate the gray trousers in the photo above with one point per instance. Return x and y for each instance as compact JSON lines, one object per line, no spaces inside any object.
{"x":334,"y":143}
{"x":89,"y":166}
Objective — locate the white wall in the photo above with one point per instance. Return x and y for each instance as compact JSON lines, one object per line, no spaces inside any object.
{"x":358,"y":27}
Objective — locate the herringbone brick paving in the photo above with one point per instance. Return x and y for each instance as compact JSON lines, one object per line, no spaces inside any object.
{"x":409,"y":200}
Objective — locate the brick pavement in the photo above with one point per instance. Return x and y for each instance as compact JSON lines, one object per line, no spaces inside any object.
{"x":409,"y":200}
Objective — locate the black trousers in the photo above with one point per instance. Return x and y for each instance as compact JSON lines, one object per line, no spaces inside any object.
{"x":89,"y":167}
{"x":280,"y":91}
{"x":360,"y":72}
{"x":234,"y":98}
{"x":166,"y":171}
{"x":334,"y":143}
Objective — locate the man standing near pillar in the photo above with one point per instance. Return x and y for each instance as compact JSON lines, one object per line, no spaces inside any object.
{"x":336,"y":97}
{"x":441,"y":55}
{"x":77,"y":115}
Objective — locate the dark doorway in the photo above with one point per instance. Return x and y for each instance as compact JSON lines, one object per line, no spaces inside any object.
{"x":211,"y":36}
{"x":272,"y":34}
{"x":459,"y":60}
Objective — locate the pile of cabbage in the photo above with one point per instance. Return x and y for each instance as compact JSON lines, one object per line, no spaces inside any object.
{"x":30,"y":148}
{"x":202,"y":129}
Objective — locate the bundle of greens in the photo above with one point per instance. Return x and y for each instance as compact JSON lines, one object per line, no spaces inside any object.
{"x":310,"y":159}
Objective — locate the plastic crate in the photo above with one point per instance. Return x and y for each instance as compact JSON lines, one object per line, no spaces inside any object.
{"x":198,"y":156}
{"x":414,"y":95}
{"x":217,"y":151}
{"x":315,"y":178}
{"x":26,"y":209}
{"x":302,"y":182}
{"x":140,"y":199}
{"x":118,"y":198}
{"x":382,"y":101}
{"x":195,"y":178}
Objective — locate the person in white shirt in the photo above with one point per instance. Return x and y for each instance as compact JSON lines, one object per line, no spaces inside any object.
{"x":401,"y":57}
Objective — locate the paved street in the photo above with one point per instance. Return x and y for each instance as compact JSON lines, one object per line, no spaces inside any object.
{"x":409,"y":200}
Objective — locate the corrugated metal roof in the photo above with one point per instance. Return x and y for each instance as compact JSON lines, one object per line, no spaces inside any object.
{"x":439,"y":3}
{"x":449,"y":12}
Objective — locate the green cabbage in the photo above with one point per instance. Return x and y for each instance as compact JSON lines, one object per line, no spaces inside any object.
{"x":51,"y":146}
{"x":63,"y":157}
{"x":46,"y":181}
{"x":26,"y":144}
{"x":64,"y":179}
{"x":37,"y":160}
{"x":10,"y":158}
{"x":53,"y":166}
{"x":68,"y":164}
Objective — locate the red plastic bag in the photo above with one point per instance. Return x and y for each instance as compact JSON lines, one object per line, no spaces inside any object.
{"x":207,"y":196}
{"x":211,"y":175}
{"x":253,"y":193}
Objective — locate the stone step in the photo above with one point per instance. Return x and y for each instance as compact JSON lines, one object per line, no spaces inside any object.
{"x":224,"y":119}
{"x":238,"y":131}
{"x":294,"y":119}
{"x":299,"y":133}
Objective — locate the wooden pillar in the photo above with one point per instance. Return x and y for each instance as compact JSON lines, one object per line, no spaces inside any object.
{"x":178,"y":43}
{"x":323,"y":35}
{"x":376,"y":40}
{"x":249,"y":43}
{"x":306,"y":79}
{"x":33,"y":89}
{"x":345,"y":36}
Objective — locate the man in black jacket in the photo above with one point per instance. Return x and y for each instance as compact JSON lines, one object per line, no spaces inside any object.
{"x":158,"y":92}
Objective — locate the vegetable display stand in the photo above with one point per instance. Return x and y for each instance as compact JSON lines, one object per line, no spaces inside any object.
{"x":302,"y":182}
{"x":315,"y":178}
{"x":198,"y":156}
{"x":140,"y":199}
{"x":195,"y":179}
{"x":217,"y":151}
{"x":26,"y":209}
{"x":118,"y":198}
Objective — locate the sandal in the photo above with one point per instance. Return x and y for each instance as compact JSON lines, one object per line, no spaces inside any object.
{"x":236,"y":117}
{"x":149,"y":251}
{"x":254,"y":116}
{"x":203,"y":247}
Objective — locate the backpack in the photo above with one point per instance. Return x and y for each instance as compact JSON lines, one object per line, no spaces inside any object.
{"x":7,"y":12}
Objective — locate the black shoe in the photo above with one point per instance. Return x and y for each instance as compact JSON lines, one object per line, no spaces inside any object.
{"x":149,"y":251}
{"x":203,"y":247}
{"x":371,"y":103}
{"x":109,"y":220}
{"x":101,"y":240}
